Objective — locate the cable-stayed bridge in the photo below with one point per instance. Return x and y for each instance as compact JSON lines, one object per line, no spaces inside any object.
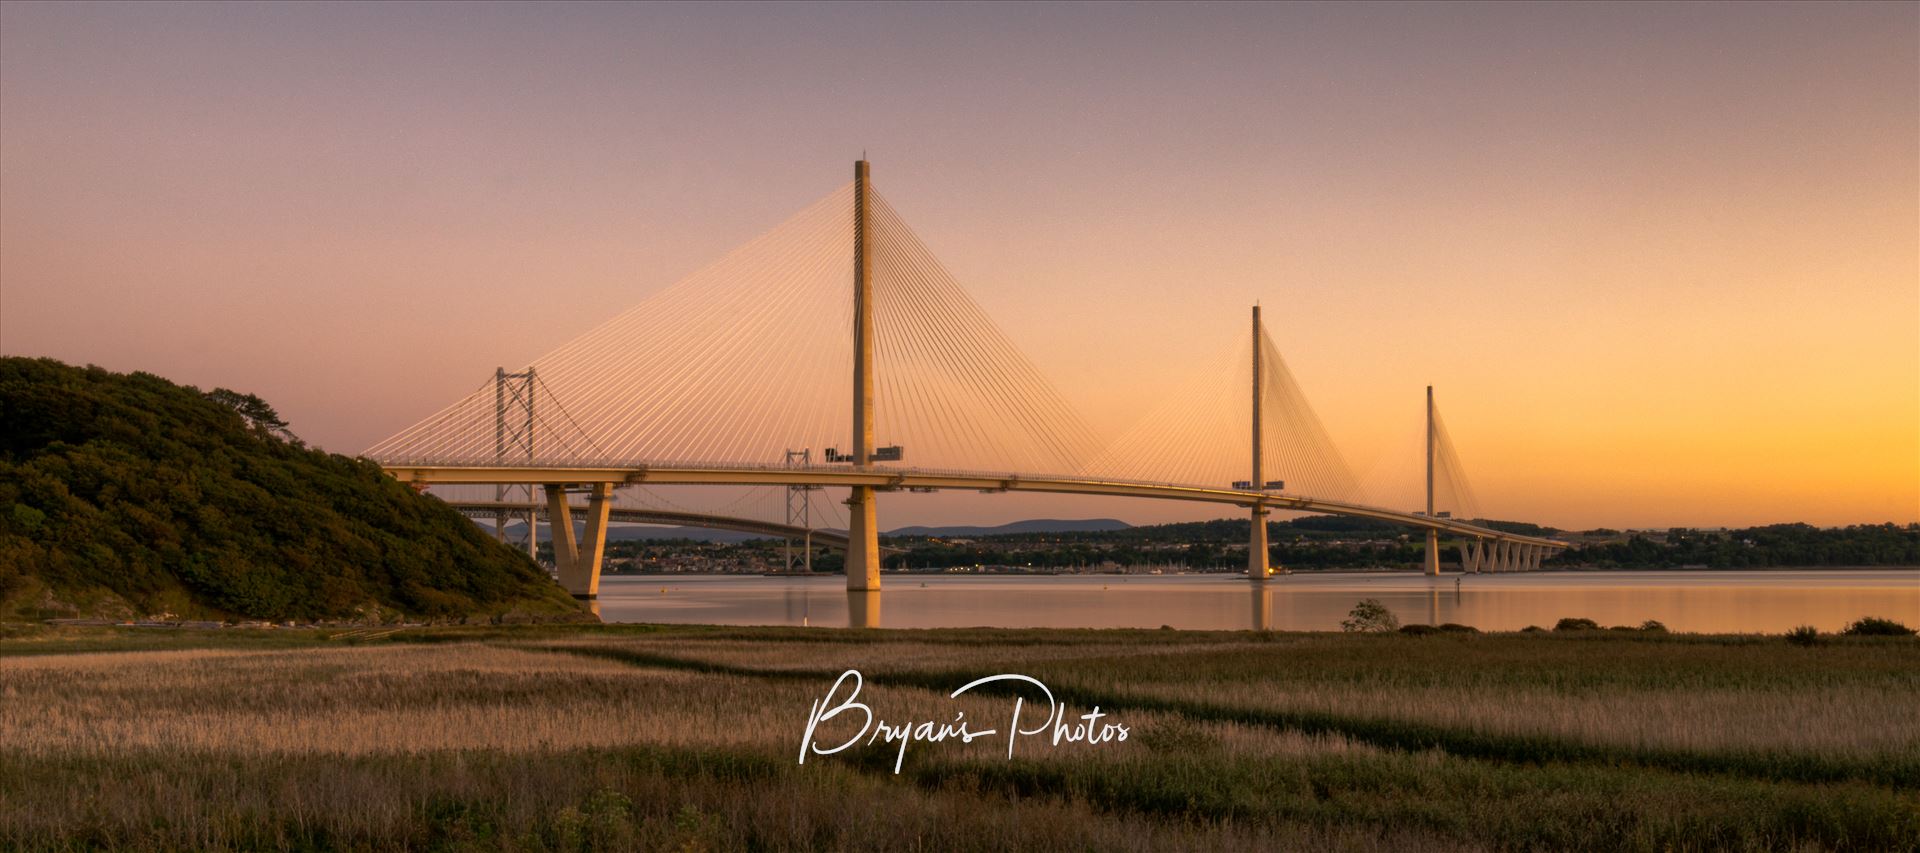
{"x":835,"y":352}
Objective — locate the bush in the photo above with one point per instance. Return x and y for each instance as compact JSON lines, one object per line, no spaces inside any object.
{"x":1648,"y":627}
{"x":1805,"y":635}
{"x":1457,"y":628}
{"x":1876,"y":627}
{"x":1419,"y":630}
{"x":1571,"y":624}
{"x":1533,"y":629}
{"x":1370,"y":616}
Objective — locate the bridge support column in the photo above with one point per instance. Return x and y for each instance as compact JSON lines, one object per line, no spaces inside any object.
{"x":1257,"y":545}
{"x":1433,"y":553}
{"x":594,"y":550}
{"x":566,"y":549}
{"x":1470,"y":556}
{"x":579,"y":562}
{"x":863,"y":541}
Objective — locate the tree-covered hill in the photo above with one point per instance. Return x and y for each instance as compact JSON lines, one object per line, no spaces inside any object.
{"x":130,"y":495}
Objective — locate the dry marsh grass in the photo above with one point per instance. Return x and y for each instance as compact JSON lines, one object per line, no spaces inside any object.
{"x":1854,"y":702}
{"x":420,"y":699}
{"x":589,"y":738}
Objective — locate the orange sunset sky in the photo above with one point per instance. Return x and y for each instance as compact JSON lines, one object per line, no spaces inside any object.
{"x":1661,"y":262}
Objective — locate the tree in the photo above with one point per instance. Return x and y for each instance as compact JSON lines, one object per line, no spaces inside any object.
{"x":257,"y":413}
{"x":1370,"y":616}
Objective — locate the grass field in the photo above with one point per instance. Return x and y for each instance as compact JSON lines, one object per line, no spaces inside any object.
{"x":686,"y":738}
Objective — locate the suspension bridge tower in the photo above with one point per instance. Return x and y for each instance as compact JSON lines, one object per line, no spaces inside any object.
{"x":1433,"y":535}
{"x":863,"y":534}
{"x":1257,"y":568}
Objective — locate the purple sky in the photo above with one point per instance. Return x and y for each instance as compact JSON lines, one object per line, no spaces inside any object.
{"x":1661,"y":259}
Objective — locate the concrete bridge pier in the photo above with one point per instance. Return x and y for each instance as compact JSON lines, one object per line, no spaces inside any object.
{"x":1433,"y":553}
{"x":579,"y":561}
{"x":863,"y":541}
{"x":1257,"y":545}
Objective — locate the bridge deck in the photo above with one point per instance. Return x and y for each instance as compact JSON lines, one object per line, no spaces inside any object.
{"x":823,"y":538}
{"x":912,"y":478}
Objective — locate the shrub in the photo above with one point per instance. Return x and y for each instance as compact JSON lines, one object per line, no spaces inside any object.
{"x":1571,"y":624}
{"x":1418,"y":629}
{"x":1648,"y":627}
{"x":1873,"y":626}
{"x":1805,"y":635}
{"x":1370,"y":616}
{"x":1457,"y":628}
{"x":1533,"y":629}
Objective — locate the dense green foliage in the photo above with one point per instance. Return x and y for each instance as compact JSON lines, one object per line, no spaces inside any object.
{"x":1335,"y":542}
{"x":1370,"y":616}
{"x":1311,"y":542}
{"x":205,"y":505}
{"x":1876,"y":627}
{"x":1755,"y":547}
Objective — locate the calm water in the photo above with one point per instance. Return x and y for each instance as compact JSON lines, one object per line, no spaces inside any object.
{"x":1769,"y":602}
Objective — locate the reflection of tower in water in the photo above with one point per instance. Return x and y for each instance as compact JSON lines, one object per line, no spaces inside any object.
{"x":863,"y":608}
{"x":799,"y":606}
{"x":1262,"y":607}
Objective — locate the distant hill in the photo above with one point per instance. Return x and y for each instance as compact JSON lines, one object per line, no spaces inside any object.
{"x":635,"y":532}
{"x":1034,"y":525}
{"x":130,"y":496}
{"x":628,"y":532}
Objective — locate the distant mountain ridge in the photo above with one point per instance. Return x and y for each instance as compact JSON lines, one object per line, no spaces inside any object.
{"x":1031,"y":525}
{"x":637,"y":532}
{"x":629,"y":532}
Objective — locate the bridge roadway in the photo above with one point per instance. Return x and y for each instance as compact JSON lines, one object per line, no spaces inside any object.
{"x":824,"y":538}
{"x":886,"y":479}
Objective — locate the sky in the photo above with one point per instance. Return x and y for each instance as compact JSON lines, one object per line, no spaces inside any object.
{"x":1661,"y":262}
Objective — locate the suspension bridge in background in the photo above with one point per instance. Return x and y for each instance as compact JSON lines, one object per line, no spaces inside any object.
{"x":738,"y":374}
